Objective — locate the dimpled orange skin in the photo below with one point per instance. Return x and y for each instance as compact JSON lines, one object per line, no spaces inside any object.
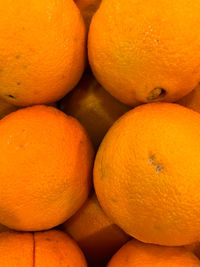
{"x":192,"y":100}
{"x":40,"y":249}
{"x":95,"y":233}
{"x":93,"y":107}
{"x":56,"y":249}
{"x":138,"y":48}
{"x":146,"y":174}
{"x":43,"y":50}
{"x":88,"y":8}
{"x":136,"y":254}
{"x":46,"y":163}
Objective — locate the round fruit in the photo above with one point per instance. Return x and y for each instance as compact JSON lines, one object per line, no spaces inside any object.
{"x":192,"y":100}
{"x":146,"y":174}
{"x":52,"y":249}
{"x":135,"y":254}
{"x":46,"y":162}
{"x":94,"y":108}
{"x":95,"y":233}
{"x":43,"y":50}
{"x":144,"y":51}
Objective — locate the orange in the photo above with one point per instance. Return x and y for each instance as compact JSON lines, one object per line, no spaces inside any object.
{"x":16,"y":249}
{"x":88,"y":8}
{"x":136,"y":254}
{"x":146,"y":174}
{"x":46,"y":162}
{"x":94,"y":108}
{"x":43,"y":50}
{"x":6,"y":108}
{"x":95,"y":233}
{"x":56,"y":249}
{"x":192,"y":100}
{"x":52,"y":249}
{"x":143,"y":51}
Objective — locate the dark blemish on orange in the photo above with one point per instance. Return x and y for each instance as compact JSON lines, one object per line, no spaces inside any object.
{"x":11,"y":96}
{"x":157,"y":166}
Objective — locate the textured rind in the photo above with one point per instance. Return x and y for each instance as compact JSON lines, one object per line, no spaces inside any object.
{"x":136,"y":46}
{"x":42,"y":48}
{"x":56,"y":249}
{"x":135,"y":254}
{"x":146,"y":174}
{"x":46,"y":164}
{"x":40,"y":249}
{"x":16,"y":249}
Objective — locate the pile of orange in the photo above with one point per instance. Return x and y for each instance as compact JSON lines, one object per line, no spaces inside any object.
{"x":100,"y":133}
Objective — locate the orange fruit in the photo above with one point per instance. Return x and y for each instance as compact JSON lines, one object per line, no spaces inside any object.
{"x":6,"y":108}
{"x":143,"y":51}
{"x":95,"y":233}
{"x":192,"y":100}
{"x":56,"y":249}
{"x":88,"y":8}
{"x":46,"y":162}
{"x":16,"y":249}
{"x":94,"y":108}
{"x":43,"y":50}
{"x":136,"y":254}
{"x":146,"y":174}
{"x":52,"y":249}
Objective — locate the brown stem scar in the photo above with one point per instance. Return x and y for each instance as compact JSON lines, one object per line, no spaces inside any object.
{"x":156,"y":94}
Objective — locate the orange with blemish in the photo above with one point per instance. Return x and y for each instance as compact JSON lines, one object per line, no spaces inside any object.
{"x":146,"y":174}
{"x":42,"y":48}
